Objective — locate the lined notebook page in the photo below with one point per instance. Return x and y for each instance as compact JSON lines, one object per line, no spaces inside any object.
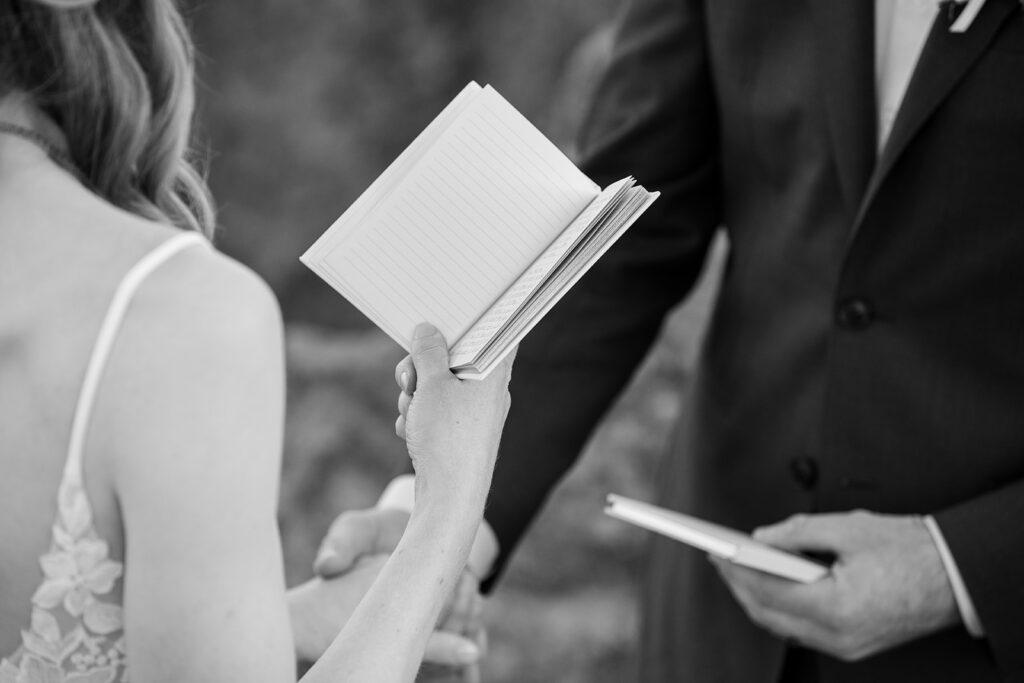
{"x":387,"y":181}
{"x":482,"y":203}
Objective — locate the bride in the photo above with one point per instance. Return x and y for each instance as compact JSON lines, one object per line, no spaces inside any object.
{"x":142,"y":392}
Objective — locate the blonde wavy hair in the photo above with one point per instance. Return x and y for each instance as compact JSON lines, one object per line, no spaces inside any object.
{"x":117,"y":76}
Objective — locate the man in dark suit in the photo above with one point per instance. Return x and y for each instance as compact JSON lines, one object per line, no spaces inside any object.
{"x":866,"y":351}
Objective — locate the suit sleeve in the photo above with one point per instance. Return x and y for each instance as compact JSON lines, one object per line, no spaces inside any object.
{"x":654,"y":117}
{"x":983,"y":537}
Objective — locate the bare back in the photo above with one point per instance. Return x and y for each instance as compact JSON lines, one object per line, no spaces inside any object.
{"x":62,"y":255}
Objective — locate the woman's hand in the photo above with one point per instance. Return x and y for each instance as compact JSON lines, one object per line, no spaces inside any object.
{"x":452,"y":427}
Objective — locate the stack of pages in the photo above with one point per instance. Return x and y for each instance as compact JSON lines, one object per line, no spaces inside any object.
{"x":480,"y":226}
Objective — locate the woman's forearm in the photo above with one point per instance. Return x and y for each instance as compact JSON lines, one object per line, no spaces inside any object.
{"x":452,"y":429}
{"x":385,"y":638}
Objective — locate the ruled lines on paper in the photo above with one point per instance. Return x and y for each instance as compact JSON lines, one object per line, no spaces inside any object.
{"x":479,"y":207}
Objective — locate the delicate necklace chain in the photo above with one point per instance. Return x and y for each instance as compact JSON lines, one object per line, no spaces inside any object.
{"x":59,"y":156}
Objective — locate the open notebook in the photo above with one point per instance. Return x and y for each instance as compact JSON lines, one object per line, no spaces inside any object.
{"x":480,"y":226}
{"x":717,"y":540}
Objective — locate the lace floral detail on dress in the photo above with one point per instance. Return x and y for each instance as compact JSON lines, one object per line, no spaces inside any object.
{"x":76,"y":573}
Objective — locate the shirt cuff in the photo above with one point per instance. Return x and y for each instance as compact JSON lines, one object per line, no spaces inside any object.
{"x":400,"y":494}
{"x":963,"y":599}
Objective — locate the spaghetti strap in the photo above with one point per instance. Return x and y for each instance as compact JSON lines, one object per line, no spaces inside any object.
{"x":72,"y":478}
{"x":77,"y":626}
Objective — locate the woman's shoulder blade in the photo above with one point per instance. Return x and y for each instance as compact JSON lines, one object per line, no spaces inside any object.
{"x":198,"y":338}
{"x":201,"y":317}
{"x":211,"y":292}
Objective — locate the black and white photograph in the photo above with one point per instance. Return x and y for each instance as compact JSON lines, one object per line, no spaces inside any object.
{"x":512,"y":341}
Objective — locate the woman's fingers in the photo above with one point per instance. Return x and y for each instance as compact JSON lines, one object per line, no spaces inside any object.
{"x":404,"y":400}
{"x":429,"y":358}
{"x":405,"y":378}
{"x":464,"y":616}
{"x":405,"y":375}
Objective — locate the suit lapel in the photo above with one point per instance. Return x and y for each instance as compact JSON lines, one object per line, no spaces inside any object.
{"x":846,"y":48}
{"x":945,"y":59}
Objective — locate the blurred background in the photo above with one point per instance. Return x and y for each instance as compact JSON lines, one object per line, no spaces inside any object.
{"x":301,"y":106}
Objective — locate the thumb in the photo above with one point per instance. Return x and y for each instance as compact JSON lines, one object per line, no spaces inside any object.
{"x":450,"y":649}
{"x":815,"y":533}
{"x":429,"y":351}
{"x":356,"y":534}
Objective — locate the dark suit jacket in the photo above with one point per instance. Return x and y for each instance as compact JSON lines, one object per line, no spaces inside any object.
{"x":867,"y":350}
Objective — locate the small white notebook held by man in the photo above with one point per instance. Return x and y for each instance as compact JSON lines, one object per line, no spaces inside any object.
{"x":480,"y":226}
{"x":720,"y":541}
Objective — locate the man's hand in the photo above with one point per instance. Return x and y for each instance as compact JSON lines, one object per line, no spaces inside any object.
{"x":355,"y":534}
{"x":462,"y":616}
{"x":319,"y":608}
{"x":888,"y":585}
{"x":353,"y":551}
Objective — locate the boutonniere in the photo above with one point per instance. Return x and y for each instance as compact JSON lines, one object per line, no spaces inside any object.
{"x":963,"y":13}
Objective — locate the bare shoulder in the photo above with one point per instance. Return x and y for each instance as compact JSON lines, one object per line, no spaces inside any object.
{"x":211,"y":294}
{"x":198,"y":295}
{"x":202,"y":337}
{"x":201,"y":314}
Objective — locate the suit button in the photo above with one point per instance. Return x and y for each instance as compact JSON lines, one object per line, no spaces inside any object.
{"x":855,"y":314}
{"x":804,"y":471}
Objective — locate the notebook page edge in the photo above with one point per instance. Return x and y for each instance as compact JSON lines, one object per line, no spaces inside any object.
{"x":361,"y":305}
{"x":565,"y":273}
{"x":555,"y":298}
{"x":528,"y":279}
{"x":698,"y":538}
{"x":779,"y":562}
{"x":749,"y":552}
{"x":326,"y":273}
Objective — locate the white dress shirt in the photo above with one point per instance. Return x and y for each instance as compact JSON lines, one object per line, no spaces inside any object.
{"x":901,"y":28}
